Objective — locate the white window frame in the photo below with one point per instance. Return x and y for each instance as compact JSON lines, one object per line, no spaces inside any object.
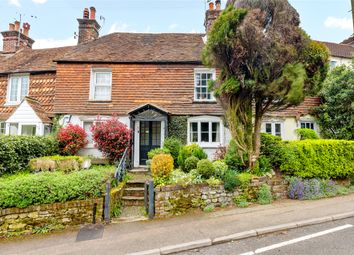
{"x":31,"y":125}
{"x":2,"y":128}
{"x":94,"y":71}
{"x":201,"y":71}
{"x":19,"y":89}
{"x":273,"y":123}
{"x":210,"y":120}
{"x":308,"y":122}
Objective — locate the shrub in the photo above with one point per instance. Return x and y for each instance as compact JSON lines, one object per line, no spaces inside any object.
{"x":272,"y":148}
{"x":191,"y":163}
{"x":157,"y":151}
{"x":232,"y":158}
{"x":244,"y":180}
{"x":111,"y":137}
{"x":188,"y":151}
{"x":162,"y":166}
{"x":230,"y":180}
{"x":56,"y":163}
{"x":205,"y":168}
{"x":220,"y":168}
{"x":241,"y":201}
{"x":72,"y":138}
{"x":264,"y":195}
{"x":210,"y":208}
{"x":174,"y":145}
{"x":306,"y":133}
{"x":319,"y":158}
{"x":17,"y":151}
{"x":212,"y":181}
{"x":23,"y":190}
{"x":263,"y":166}
{"x":178,"y":177}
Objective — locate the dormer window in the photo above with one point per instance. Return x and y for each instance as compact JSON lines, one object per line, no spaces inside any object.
{"x":17,"y":89}
{"x":101,"y":85}
{"x":202,"y":76}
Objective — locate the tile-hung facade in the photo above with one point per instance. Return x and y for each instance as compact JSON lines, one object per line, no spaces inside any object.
{"x":147,"y":80}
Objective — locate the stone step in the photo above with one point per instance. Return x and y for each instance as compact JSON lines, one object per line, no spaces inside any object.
{"x":134,"y":192}
{"x":135,"y":184}
{"x":139,"y":171}
{"x":133,"y":201}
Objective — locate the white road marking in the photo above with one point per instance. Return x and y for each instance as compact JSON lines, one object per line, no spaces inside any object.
{"x":297,"y":240}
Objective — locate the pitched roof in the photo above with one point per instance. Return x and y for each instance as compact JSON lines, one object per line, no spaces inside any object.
{"x":38,"y":109}
{"x":139,"y":48}
{"x":28,"y":60}
{"x":303,"y":109}
{"x":340,"y":50}
{"x":349,"y":41}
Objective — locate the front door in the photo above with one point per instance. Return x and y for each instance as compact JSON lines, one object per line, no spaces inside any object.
{"x":150,"y":138}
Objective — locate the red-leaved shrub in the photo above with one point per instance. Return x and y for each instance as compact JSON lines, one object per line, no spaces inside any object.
{"x":111,"y":137}
{"x":71,"y":139}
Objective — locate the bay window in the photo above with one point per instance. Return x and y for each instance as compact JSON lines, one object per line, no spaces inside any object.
{"x":204,"y":131}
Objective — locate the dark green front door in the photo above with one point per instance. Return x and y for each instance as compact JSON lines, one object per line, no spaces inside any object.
{"x":150,"y":138}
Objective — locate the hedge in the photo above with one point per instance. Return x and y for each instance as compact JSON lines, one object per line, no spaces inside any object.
{"x":65,"y":164}
{"x":17,"y":151}
{"x":319,"y":158}
{"x":24,"y":189}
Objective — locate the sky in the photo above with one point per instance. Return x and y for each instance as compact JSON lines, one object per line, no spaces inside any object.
{"x":53,"y":22}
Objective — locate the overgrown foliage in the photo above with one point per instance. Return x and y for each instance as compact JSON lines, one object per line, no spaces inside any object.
{"x":17,"y":151}
{"x":266,"y":61}
{"x":336,"y":114}
{"x":22,"y":190}
{"x":319,"y":158}
{"x":306,"y":134}
{"x":72,"y":138}
{"x":111,"y":137}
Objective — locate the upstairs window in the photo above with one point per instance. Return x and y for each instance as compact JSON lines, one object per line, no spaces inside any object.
{"x":18,"y":88}
{"x":273,"y":128}
{"x":201,"y":82}
{"x":101,"y":85}
{"x":307,"y":124}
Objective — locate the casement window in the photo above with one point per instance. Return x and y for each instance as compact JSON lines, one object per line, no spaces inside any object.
{"x":206,"y":131}
{"x":332,"y":64}
{"x":101,"y":85}
{"x":2,"y":128}
{"x":273,"y":128}
{"x":202,"y":76}
{"x":47,"y":130}
{"x":17,"y":89}
{"x":13,"y":129}
{"x":28,"y":130}
{"x":307,"y":124}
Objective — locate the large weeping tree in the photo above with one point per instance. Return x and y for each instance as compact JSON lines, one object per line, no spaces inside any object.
{"x":267,"y":63}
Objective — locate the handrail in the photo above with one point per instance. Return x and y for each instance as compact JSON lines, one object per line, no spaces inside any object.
{"x":121,"y":168}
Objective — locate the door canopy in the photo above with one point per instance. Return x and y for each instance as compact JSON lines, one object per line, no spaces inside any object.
{"x":148,"y":112}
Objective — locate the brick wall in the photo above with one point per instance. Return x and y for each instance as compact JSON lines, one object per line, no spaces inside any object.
{"x":51,"y":216}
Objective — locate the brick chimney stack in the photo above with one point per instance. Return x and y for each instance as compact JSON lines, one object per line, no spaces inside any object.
{"x":16,"y":38}
{"x":88,"y":26}
{"x":212,"y":14}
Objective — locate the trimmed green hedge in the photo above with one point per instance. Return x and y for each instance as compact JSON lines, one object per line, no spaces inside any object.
{"x":23,"y":189}
{"x":17,"y":151}
{"x":319,"y":158}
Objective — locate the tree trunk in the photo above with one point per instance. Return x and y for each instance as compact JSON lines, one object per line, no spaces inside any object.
{"x":256,"y":143}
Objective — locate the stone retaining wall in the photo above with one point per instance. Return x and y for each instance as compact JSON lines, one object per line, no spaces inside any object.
{"x":16,"y":221}
{"x":175,"y":200}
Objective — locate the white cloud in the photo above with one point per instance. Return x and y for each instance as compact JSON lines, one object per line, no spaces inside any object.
{"x":39,"y":1}
{"x":117,"y":27}
{"x":51,"y":43}
{"x":172,"y":26}
{"x":15,"y":2}
{"x":341,"y":23}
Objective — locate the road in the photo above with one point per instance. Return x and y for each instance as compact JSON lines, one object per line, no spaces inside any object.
{"x":333,"y":238}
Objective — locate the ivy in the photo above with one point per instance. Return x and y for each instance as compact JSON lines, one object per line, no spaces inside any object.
{"x":177,"y":128}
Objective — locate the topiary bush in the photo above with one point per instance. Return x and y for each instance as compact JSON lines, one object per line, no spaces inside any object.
{"x":111,"y":137}
{"x":319,"y":158}
{"x":157,"y":151}
{"x":56,"y":163}
{"x":205,"y":168}
{"x":232,"y":158}
{"x":220,"y":168}
{"x":161,"y":167}
{"x":174,"y":145}
{"x":306,"y":134}
{"x":188,"y":151}
{"x":23,"y":190}
{"x":17,"y":151}
{"x":72,"y":138}
{"x":191,"y":163}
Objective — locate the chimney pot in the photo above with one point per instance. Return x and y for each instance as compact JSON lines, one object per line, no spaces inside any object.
{"x":86,"y":13}
{"x":11,"y":26}
{"x":218,"y":5}
{"x":26,"y":28}
{"x":17,"y":25}
{"x":92,"y":12}
{"x":211,"y":6}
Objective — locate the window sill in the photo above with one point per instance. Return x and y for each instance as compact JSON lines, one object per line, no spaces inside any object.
{"x":100,"y":101}
{"x":204,"y":102}
{"x":208,"y":145}
{"x":11,"y":103}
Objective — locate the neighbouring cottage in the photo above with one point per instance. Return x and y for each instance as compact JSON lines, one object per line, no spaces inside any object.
{"x":155,"y":83}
